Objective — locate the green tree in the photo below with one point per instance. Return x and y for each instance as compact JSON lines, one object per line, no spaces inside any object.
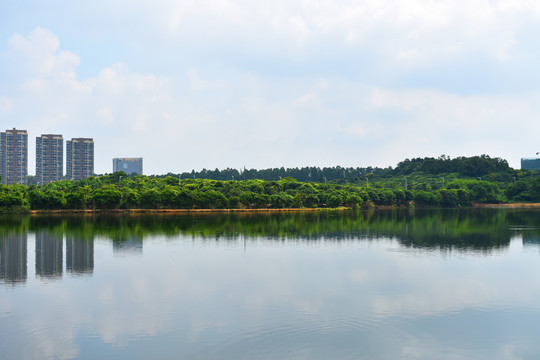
{"x":518,"y":191}
{"x":425,"y":198}
{"x":150,"y":199}
{"x":76,"y":200}
{"x":448,"y":198}
{"x":107,"y":197}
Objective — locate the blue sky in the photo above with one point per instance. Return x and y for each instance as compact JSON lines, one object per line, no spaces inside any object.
{"x":216,"y":84}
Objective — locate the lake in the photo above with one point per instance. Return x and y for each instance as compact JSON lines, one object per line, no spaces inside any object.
{"x":384,"y":284}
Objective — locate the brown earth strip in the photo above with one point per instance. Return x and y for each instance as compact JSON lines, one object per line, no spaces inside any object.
{"x":175,"y":211}
{"x":508,"y":205}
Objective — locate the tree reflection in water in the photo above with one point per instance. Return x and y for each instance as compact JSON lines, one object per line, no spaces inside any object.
{"x":455,"y":229}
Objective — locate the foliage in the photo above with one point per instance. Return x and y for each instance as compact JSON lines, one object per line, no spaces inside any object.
{"x":476,"y":166}
{"x":427,"y":182}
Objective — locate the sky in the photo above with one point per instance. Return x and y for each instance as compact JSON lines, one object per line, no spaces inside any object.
{"x":216,"y":84}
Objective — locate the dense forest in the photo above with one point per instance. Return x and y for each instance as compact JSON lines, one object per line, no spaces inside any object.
{"x":476,"y":166}
{"x":427,"y":182}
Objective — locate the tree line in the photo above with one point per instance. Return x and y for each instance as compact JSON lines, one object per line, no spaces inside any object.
{"x":475,"y":166}
{"x":304,"y":174}
{"x":414,"y":182}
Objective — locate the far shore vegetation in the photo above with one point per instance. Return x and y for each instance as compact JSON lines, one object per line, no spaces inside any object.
{"x":420,"y":182}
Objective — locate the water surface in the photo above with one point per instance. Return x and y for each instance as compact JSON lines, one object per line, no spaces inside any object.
{"x":424,"y":284}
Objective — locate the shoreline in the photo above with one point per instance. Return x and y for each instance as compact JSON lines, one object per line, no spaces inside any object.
{"x":508,"y":205}
{"x":259,"y":210}
{"x":175,"y":211}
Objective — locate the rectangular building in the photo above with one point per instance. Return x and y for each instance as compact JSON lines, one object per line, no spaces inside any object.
{"x":49,"y":158}
{"x":128,"y":165}
{"x":79,"y":158}
{"x":530,"y":164}
{"x":14,"y":156}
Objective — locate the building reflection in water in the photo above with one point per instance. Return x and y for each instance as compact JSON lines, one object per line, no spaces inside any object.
{"x":531,"y":238}
{"x":132,"y":245}
{"x":79,"y":255}
{"x":13,"y":248}
{"x":49,"y":252}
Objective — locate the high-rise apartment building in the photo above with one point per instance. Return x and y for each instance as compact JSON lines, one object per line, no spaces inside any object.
{"x":49,"y":158}
{"x":14,"y":156}
{"x":79,"y":158}
{"x":128,"y":165}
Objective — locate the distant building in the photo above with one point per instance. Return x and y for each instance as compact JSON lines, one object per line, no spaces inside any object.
{"x":14,"y":156}
{"x":49,"y":158}
{"x":79,"y":158}
{"x":128,"y":165}
{"x":530,"y":164}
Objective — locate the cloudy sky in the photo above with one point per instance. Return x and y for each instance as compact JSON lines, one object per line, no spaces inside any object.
{"x":215,"y":84}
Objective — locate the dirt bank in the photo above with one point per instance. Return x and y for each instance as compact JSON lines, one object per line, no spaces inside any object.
{"x":174,"y":211}
{"x":509,"y":205}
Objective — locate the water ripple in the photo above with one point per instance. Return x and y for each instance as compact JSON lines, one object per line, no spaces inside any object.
{"x":297,"y":334}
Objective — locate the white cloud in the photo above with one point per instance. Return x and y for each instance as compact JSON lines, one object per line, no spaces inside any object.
{"x":39,"y":51}
{"x":196,"y":83}
{"x":403,"y":33}
{"x":5,"y":104}
{"x":282,"y":84}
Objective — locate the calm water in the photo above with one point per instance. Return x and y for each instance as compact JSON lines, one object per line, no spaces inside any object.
{"x":369,"y":285}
